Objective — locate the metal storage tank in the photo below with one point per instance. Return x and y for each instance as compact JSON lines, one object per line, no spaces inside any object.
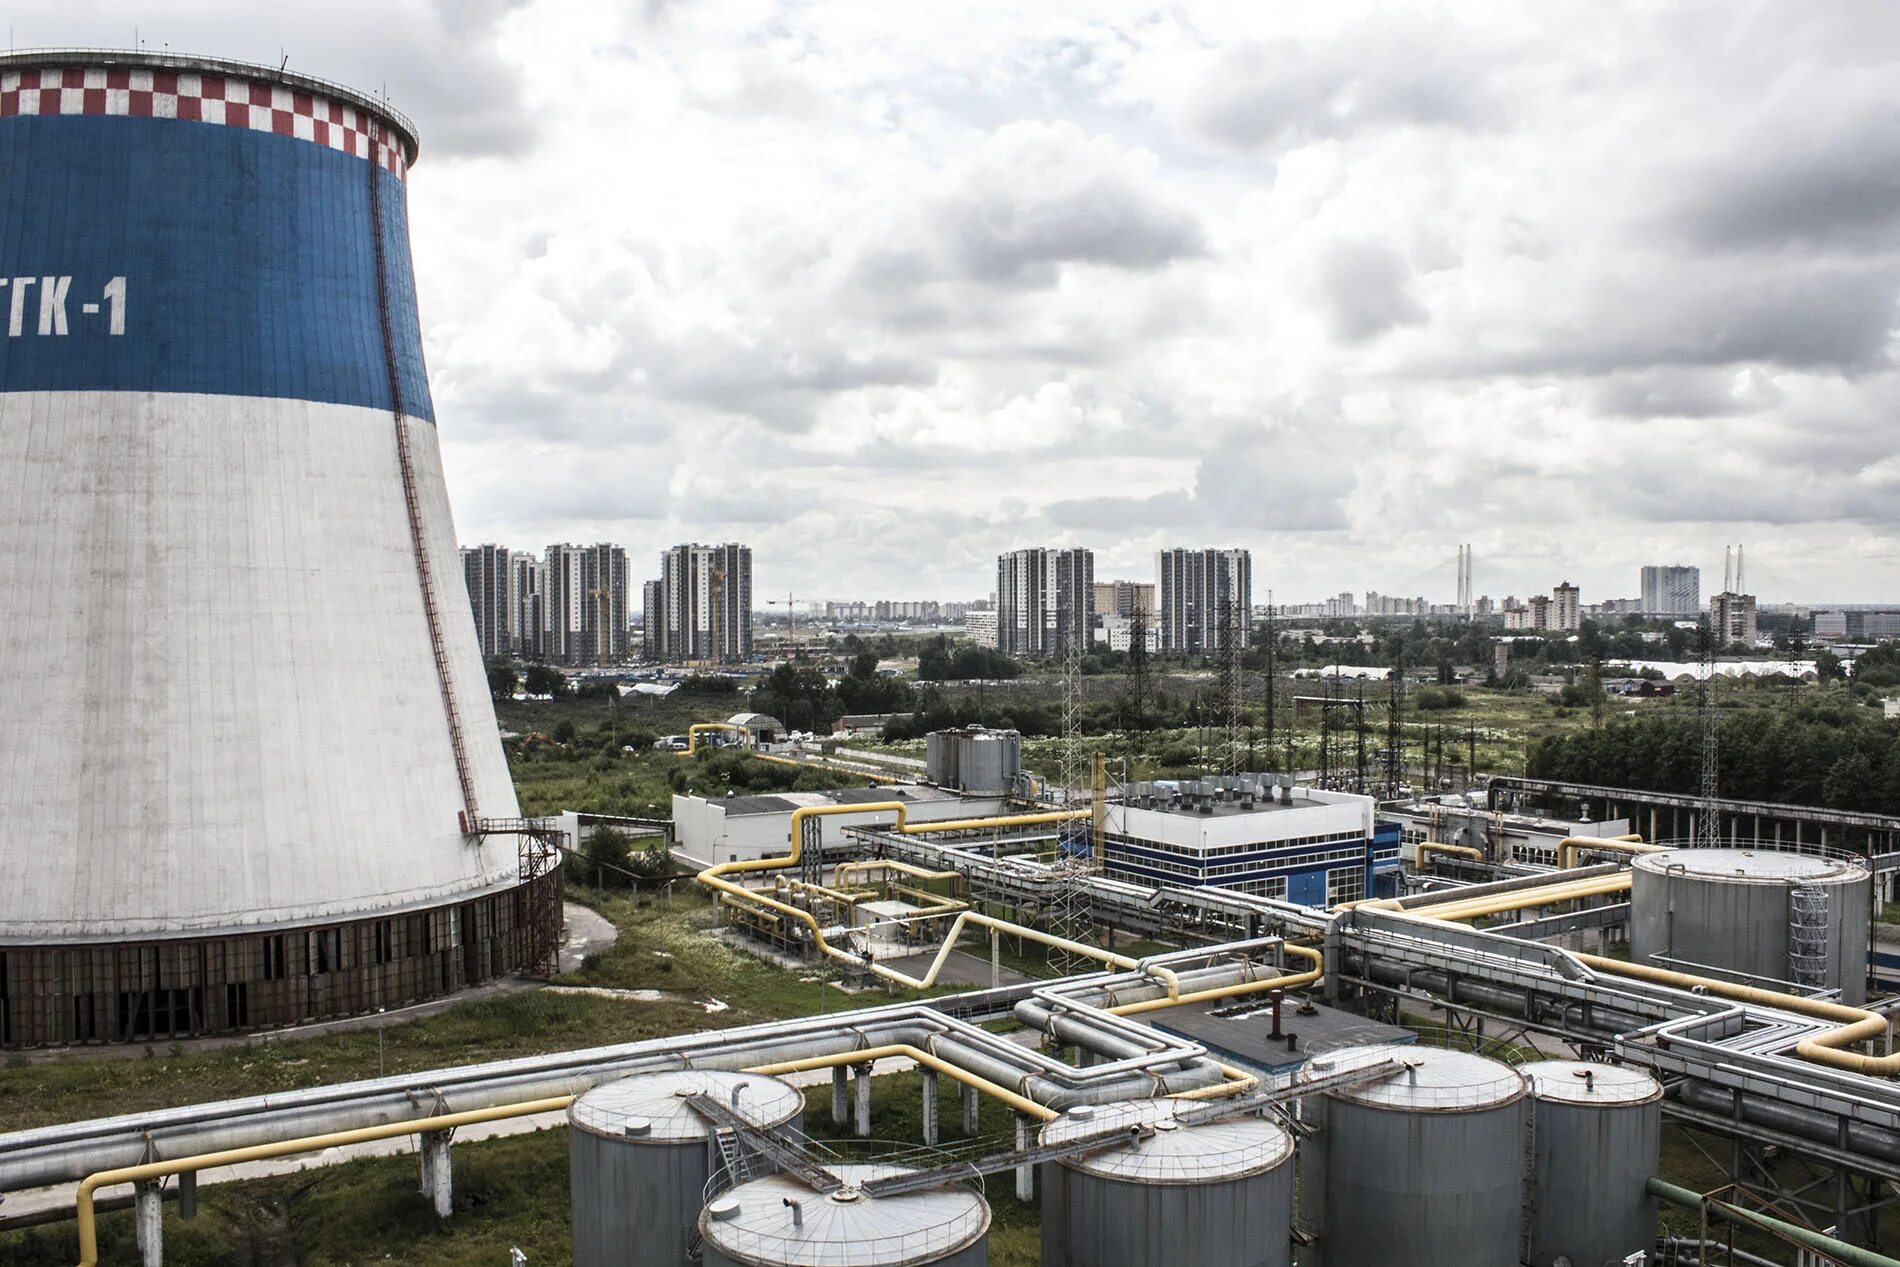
{"x":1764,"y":914}
{"x":779,"y":1222}
{"x":639,"y":1160}
{"x":251,"y":729}
{"x":1423,"y":1168}
{"x":1596,"y":1138}
{"x":1217,"y":1195}
{"x":974,"y":760}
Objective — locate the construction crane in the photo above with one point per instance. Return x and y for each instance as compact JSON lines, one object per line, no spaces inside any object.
{"x":789,"y":603}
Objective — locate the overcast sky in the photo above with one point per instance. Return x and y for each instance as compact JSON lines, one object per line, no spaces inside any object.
{"x":883,"y":289}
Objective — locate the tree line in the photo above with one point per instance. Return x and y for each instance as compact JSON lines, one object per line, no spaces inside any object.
{"x":1830,"y":753}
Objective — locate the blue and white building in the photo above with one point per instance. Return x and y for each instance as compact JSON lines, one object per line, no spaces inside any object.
{"x":1244,"y":832}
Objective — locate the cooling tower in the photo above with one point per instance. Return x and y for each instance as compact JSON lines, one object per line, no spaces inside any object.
{"x":244,"y":726}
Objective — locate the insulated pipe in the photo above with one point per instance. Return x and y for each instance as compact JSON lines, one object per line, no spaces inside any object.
{"x":1462,"y":851}
{"x":55,"y":1154}
{"x":924,"y":1059}
{"x":1568,"y":847}
{"x":1548,"y":895}
{"x":1823,"y":1128}
{"x":1851,"y":1024}
{"x":83,"y":1211}
{"x":1289,"y":981}
{"x":1853,"y":1255}
{"x":693,"y":732}
{"x":714,"y":877}
{"x":847,"y":870}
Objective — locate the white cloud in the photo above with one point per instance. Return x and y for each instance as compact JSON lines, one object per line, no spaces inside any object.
{"x":885,"y":289}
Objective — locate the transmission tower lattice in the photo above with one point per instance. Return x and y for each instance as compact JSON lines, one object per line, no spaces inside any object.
{"x":1069,"y":914}
{"x":1708,"y":834}
{"x":1233,"y":752}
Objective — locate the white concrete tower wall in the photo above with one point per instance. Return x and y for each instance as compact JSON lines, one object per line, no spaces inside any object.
{"x":256,"y":703}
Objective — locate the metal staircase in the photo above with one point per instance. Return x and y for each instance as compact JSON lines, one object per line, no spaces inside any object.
{"x":1808,"y":923}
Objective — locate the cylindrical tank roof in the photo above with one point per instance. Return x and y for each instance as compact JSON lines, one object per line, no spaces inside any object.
{"x":1586,"y":1082}
{"x":1754,"y":866}
{"x":1432,"y":1079}
{"x":652,"y":1108}
{"x":192,"y":64}
{"x":1175,"y":1152}
{"x":758,"y":1223}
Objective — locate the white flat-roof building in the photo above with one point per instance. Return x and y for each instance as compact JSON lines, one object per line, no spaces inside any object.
{"x":742,"y":828}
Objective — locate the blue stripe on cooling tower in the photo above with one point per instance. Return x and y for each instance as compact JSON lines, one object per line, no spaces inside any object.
{"x":246,"y":258}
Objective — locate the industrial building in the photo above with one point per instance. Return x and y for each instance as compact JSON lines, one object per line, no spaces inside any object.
{"x":744,"y":828}
{"x":1253,"y":834}
{"x":1205,"y":599}
{"x":255,"y":779}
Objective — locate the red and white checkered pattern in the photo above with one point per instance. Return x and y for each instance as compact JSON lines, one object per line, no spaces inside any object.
{"x":206,"y":98}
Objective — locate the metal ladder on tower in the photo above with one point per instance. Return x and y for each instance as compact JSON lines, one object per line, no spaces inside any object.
{"x":727,"y":1165}
{"x":1528,"y":1216}
{"x":1808,"y":925}
{"x":405,"y":461}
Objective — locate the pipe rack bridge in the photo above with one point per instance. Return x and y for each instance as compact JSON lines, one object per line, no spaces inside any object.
{"x":1672,"y":815}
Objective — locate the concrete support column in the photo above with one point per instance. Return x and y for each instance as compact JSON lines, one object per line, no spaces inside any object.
{"x":840,"y":1104}
{"x":861,"y":1086}
{"x":996,"y":959}
{"x":438,"y":1181}
{"x":970,"y":1106}
{"x":1025,"y":1175}
{"x":931,"y":1131}
{"x":148,"y":1210}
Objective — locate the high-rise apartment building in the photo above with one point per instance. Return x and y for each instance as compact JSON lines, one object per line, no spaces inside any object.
{"x":652,"y":623}
{"x":1672,"y":590}
{"x":1540,"y":614}
{"x":1566,"y":607}
{"x":1125,"y":598}
{"x":1732,"y":616}
{"x":604,"y":623}
{"x":525,"y":602}
{"x":563,"y":596}
{"x":485,"y":574}
{"x":1205,"y":598}
{"x":704,"y":598}
{"x":1044,"y":599}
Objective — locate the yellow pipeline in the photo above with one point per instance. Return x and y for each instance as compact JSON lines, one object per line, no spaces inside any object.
{"x":83,"y":1207}
{"x":693,"y":733}
{"x":1175,"y":998}
{"x":846,"y":870}
{"x":1852,"y":1025}
{"x":1021,"y":1103}
{"x":1631,"y":844}
{"x":1463,"y":851}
